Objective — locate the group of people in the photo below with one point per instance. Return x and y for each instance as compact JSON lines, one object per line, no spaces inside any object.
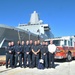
{"x":28,"y":54}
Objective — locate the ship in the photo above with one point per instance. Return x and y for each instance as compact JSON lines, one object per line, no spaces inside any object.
{"x":35,"y":29}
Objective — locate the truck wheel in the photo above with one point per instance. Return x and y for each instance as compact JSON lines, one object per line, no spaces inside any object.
{"x":69,"y":57}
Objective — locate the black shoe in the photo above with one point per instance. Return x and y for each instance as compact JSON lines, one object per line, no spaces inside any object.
{"x":6,"y":67}
{"x":15,"y":66}
{"x":46,"y":67}
{"x":12,"y":67}
{"x":49,"y":66}
{"x":30,"y":66}
{"x":53,"y":67}
{"x":21,"y":66}
{"x":24,"y":66}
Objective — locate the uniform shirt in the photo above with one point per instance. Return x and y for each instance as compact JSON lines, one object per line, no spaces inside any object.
{"x":22,"y":46}
{"x":31,"y":46}
{"x":18,"y":48}
{"x":35,"y":48}
{"x":44,"y":49}
{"x":13,"y":48}
{"x":27,"y":48}
{"x":51,"y":48}
{"x":9,"y":49}
{"x":39,"y":46}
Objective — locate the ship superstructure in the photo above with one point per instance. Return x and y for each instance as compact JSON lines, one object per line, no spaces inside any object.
{"x":37,"y":27}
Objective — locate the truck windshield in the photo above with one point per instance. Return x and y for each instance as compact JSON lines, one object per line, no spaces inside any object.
{"x":56,"y":42}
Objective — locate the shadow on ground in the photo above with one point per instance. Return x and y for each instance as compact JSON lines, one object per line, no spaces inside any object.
{"x":5,"y":70}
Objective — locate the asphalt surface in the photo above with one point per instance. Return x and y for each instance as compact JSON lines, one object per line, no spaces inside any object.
{"x":62,"y":68}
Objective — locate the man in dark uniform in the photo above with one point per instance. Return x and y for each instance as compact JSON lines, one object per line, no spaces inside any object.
{"x":46,"y":43}
{"x":18,"y":54}
{"x":27,"y":51}
{"x":31,"y":45}
{"x":23,"y":44}
{"x":44,"y":51}
{"x":9,"y":55}
{"x":13,"y":48}
{"x":39,"y":45}
{"x":35,"y":55}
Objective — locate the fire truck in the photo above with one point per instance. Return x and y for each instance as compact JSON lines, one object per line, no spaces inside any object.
{"x":65,"y":47}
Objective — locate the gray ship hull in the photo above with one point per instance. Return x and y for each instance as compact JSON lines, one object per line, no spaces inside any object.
{"x":14,"y":34}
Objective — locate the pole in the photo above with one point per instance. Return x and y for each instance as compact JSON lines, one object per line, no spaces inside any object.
{"x":19,"y":36}
{"x":28,"y":33}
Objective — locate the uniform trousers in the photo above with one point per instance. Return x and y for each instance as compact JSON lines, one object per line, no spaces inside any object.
{"x":9,"y":57}
{"x":51,"y":60}
{"x":44,"y":57}
{"x":20,"y":59}
{"x":35,"y":59}
{"x":27,"y":58}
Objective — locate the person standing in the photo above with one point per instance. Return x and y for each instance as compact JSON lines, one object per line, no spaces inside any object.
{"x":13,"y":48}
{"x":44,"y":51}
{"x":51,"y":49}
{"x":18,"y":54}
{"x":39,"y":45}
{"x":9,"y":55}
{"x":35,"y":55}
{"x":31,"y":45}
{"x":27,"y":54}
{"x":23,"y":44}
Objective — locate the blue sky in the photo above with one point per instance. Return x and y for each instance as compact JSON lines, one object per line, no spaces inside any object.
{"x":59,"y":14}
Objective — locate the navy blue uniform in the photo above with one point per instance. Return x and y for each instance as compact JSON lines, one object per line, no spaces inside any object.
{"x":18,"y":53}
{"x":13,"y":48}
{"x":27,"y":55}
{"x":31,"y":45}
{"x":23,"y":52}
{"x":44,"y":51}
{"x":35,"y":57}
{"x":9,"y":55}
{"x":39,"y":46}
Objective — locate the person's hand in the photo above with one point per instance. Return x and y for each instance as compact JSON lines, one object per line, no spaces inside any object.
{"x":35,"y":53}
{"x":18,"y":52}
{"x":44,"y":54}
{"x":27,"y":52}
{"x":9,"y":51}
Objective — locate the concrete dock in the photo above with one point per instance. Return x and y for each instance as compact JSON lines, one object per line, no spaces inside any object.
{"x":62,"y":68}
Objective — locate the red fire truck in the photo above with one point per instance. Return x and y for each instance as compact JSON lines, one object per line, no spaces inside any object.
{"x":65,"y":47}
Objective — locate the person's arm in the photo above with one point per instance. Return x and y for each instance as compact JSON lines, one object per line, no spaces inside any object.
{"x":12,"y":49}
{"x":38,"y":51}
{"x":33,"y":51}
